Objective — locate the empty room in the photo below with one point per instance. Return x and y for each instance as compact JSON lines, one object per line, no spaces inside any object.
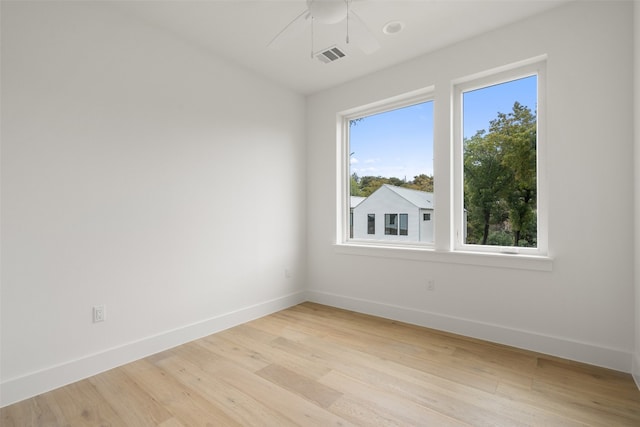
{"x":320,"y":212}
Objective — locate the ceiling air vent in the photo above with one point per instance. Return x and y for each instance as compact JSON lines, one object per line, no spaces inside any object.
{"x":329,"y":55}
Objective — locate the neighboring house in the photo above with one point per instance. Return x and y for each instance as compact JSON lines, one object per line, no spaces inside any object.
{"x":355,"y":201}
{"x":393,"y":213}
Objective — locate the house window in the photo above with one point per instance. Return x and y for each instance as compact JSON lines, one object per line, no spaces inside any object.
{"x":390,"y":224}
{"x":498,"y":142}
{"x":394,"y":223}
{"x":404,"y":224}
{"x":371,"y":224}
{"x":426,"y":217}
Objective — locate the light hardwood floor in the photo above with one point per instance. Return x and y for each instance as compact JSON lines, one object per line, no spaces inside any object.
{"x":313,"y":365}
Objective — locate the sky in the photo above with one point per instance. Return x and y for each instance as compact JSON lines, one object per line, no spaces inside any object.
{"x":399,"y":143}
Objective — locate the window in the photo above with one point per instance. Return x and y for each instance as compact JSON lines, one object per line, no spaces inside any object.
{"x":490,"y":153}
{"x":371,"y":224}
{"x":390,"y":152}
{"x":497,"y":181}
{"x":404,"y":224}
{"x":390,"y":224}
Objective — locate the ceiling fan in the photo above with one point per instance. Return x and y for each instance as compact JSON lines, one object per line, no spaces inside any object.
{"x":328,"y":12}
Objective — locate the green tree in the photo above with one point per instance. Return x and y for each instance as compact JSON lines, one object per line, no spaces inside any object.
{"x":355,"y":186}
{"x":515,"y":134}
{"x":485,"y":179}
{"x":369,"y":184}
{"x":395,"y":181}
{"x":421,"y":182}
{"x":500,"y":180}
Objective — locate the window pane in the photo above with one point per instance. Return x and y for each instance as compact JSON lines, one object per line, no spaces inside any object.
{"x":390,"y":224}
{"x":404,"y":224}
{"x":371,"y":224}
{"x":390,"y":165}
{"x":499,"y":164}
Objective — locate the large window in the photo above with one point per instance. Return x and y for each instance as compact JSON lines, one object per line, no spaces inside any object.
{"x":488,"y":162}
{"x":498,"y":141}
{"x":390,"y":151}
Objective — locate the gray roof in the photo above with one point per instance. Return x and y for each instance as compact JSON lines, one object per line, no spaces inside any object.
{"x":356,"y":200}
{"x":421,"y":199}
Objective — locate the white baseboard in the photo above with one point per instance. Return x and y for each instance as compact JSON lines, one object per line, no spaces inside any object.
{"x":17,"y":389}
{"x":612,"y":358}
{"x":635,"y":370}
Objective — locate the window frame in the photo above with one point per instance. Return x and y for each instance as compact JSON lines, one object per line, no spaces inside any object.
{"x":444,"y":248}
{"x":537,"y":68}
{"x":343,"y":119}
{"x":400,"y":222}
{"x":390,"y":224}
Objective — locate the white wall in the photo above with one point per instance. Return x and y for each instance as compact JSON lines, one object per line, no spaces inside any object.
{"x":636,"y":116}
{"x":583,"y":308}
{"x":141,"y":173}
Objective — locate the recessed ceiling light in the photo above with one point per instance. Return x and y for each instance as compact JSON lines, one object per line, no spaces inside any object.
{"x":393,"y":27}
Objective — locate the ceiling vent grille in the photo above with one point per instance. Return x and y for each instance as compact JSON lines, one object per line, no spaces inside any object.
{"x":330,"y":55}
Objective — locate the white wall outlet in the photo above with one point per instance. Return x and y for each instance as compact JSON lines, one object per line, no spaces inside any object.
{"x":431,"y":285}
{"x":99,"y":313}
{"x":287,"y":273}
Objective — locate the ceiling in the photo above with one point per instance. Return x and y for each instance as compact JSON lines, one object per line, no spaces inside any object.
{"x":240,"y":31}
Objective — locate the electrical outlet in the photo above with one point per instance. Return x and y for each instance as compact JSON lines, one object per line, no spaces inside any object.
{"x":287,"y":273}
{"x":99,"y":313}
{"x":431,"y":285}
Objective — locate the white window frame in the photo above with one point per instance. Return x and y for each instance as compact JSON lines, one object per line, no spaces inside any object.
{"x":343,"y":121}
{"x":447,"y":247}
{"x":537,"y":68}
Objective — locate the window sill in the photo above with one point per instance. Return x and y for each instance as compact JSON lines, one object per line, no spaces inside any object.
{"x":485,"y":259}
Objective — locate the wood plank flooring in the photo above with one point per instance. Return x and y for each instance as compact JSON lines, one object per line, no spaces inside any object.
{"x":313,"y":365}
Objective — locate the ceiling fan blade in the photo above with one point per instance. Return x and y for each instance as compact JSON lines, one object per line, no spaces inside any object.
{"x":291,"y":31}
{"x":361,"y":36}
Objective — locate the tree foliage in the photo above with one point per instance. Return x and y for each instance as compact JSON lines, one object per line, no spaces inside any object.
{"x":500,"y":191}
{"x":366,"y":185}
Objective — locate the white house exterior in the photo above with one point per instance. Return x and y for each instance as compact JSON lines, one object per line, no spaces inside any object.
{"x":355,"y":201}
{"x":394,"y":213}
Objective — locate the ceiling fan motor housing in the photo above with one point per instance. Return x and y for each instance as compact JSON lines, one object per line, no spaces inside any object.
{"x":328,"y":11}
